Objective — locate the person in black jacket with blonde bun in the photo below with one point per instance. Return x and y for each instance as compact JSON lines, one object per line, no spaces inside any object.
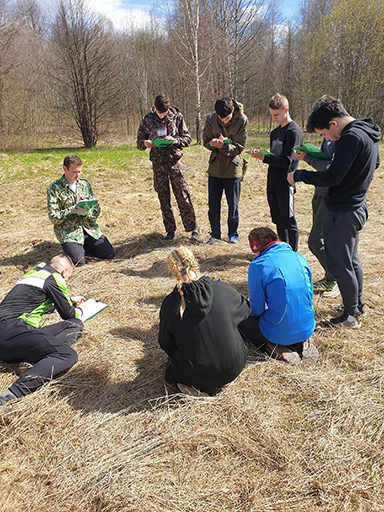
{"x":199,"y":328}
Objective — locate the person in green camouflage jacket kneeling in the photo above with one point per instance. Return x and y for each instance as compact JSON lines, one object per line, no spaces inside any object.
{"x":73,"y":209}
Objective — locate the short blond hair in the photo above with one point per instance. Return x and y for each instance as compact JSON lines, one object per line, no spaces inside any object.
{"x":278,"y":101}
{"x":180,"y":262}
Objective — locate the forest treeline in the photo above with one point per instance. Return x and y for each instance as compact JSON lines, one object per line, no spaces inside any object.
{"x":70,"y":72}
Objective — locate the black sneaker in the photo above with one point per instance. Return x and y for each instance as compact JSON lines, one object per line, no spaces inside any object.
{"x":194,"y":236}
{"x":346,"y":320}
{"x":170,"y":235}
{"x":361,"y":308}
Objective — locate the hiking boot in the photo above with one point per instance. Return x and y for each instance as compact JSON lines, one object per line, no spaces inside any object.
{"x":7,"y":401}
{"x":282,"y":353}
{"x":346,"y":320}
{"x":332,"y":290}
{"x":213,"y":240}
{"x":194,"y":236}
{"x":170,"y":236}
{"x":310,"y":354}
{"x":233,"y":239}
{"x":7,"y":396}
{"x":190,"y":390}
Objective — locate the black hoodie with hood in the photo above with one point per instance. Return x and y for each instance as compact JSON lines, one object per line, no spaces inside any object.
{"x":350,"y":174}
{"x":205,"y":347}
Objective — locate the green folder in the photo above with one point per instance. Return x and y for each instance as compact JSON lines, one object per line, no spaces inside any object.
{"x":309,"y":148}
{"x":265,"y":152}
{"x":162,"y":143}
{"x":225,"y":141}
{"x":87,"y":203}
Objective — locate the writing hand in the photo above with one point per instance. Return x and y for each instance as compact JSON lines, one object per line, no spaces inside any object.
{"x":76,"y":301}
{"x":256,"y":154}
{"x":217,"y":143}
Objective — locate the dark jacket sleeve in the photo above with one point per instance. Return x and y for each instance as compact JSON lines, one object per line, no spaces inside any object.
{"x":292,"y":138}
{"x":183,"y":138}
{"x":240,"y":306}
{"x":207,"y":134}
{"x":238,"y":140}
{"x":348,"y":149}
{"x":142,"y":135}
{"x":317,"y":163}
{"x":166,"y":338}
{"x":61,"y":299}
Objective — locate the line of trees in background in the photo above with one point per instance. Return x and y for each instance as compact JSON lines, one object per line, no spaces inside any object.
{"x":71,"y":72}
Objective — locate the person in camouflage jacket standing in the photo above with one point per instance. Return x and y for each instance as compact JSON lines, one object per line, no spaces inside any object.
{"x":166,"y":122}
{"x":76,"y":228}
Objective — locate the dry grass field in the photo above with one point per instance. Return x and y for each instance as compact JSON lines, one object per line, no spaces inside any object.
{"x":109,"y":436}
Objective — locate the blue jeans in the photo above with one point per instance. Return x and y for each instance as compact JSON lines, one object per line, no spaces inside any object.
{"x":232,"y":188}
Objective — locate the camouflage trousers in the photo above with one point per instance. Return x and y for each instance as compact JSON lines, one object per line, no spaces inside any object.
{"x":162,"y":175}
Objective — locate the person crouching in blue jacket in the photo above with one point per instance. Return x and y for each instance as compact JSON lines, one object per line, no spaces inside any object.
{"x":280,"y":290}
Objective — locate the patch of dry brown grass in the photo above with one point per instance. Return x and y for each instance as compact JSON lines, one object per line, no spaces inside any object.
{"x":109,"y":436}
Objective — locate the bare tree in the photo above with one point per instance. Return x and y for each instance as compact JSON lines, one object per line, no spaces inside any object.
{"x":84,"y":48}
{"x":187,"y":27}
{"x":8,"y":37}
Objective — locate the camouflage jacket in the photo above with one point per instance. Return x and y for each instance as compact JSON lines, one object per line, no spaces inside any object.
{"x":68,"y":226}
{"x":152,"y":127}
{"x":226,"y":162}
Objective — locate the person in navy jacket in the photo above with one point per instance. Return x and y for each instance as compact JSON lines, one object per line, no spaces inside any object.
{"x":280,"y":290}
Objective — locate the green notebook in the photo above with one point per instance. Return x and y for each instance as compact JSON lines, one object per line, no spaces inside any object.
{"x":225,"y":141}
{"x":309,"y":148}
{"x":265,"y":152}
{"x":162,"y":143}
{"x":87,"y":203}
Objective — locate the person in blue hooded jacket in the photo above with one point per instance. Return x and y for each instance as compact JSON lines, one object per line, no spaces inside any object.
{"x":280,"y":290}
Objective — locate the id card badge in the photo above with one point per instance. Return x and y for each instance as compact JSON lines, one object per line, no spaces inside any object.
{"x":161,"y":131}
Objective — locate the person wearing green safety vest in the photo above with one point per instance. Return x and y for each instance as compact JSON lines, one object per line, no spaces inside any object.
{"x":47,"y":350}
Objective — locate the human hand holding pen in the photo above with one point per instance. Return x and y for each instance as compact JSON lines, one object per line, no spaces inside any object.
{"x":78,"y":300}
{"x":218,"y":142}
{"x":79,"y":210}
{"x":256,"y":153}
{"x":170,"y":137}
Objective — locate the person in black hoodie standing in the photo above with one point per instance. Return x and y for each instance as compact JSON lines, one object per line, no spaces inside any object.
{"x":199,"y":328}
{"x":348,"y":177}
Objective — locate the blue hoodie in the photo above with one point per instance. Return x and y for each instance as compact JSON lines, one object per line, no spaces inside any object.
{"x":281,"y":292}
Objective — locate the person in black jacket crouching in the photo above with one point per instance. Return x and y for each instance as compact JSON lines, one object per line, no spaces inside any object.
{"x":198,"y":328}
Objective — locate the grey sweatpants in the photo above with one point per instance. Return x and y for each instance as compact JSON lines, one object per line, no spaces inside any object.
{"x":341,"y":237}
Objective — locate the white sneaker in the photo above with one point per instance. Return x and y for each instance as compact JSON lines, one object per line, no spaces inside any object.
{"x":190,"y":390}
{"x":346,"y":320}
{"x":332,"y":290}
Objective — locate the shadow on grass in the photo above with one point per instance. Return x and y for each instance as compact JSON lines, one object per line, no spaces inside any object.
{"x":39,"y":251}
{"x":144,"y":244}
{"x":91,"y":386}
